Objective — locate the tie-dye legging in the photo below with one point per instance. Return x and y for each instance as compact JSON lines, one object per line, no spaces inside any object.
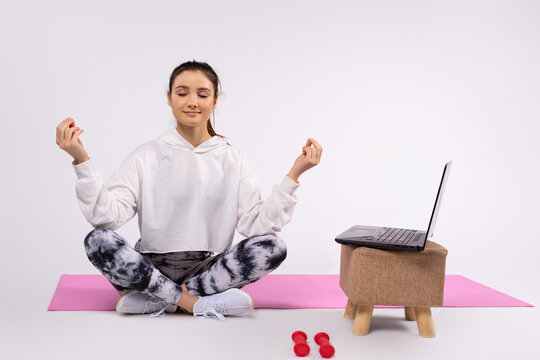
{"x":239,"y":265}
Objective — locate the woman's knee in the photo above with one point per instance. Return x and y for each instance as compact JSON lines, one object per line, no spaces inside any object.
{"x":276,"y":247}
{"x":102,"y":240}
{"x":280,"y":246}
{"x":280,"y":252}
{"x":109,"y":252}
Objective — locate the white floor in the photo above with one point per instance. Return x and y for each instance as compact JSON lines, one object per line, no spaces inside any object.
{"x":29,"y":331}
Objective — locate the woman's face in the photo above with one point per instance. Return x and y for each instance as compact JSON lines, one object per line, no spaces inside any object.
{"x":192,"y":99}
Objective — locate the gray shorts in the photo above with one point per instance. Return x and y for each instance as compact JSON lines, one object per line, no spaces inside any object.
{"x":181,"y":266}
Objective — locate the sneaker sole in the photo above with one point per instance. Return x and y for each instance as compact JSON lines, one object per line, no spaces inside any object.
{"x":119,"y":302}
{"x":245,"y":294}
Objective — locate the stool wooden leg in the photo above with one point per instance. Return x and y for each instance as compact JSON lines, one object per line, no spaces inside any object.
{"x":424,"y":321}
{"x":409,"y":313}
{"x":350,"y":311}
{"x":362,"y":319}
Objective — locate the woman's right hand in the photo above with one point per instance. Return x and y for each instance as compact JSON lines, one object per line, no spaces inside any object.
{"x":67,"y":137}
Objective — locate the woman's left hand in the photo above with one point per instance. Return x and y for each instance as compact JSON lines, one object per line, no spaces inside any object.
{"x":311,"y":156}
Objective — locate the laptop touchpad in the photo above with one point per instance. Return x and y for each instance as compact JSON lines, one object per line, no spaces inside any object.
{"x":361,"y":231}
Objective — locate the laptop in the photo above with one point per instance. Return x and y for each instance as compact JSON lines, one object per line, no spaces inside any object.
{"x":396,"y":238}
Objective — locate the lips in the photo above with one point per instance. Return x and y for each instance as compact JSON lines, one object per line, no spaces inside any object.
{"x":192,"y":113}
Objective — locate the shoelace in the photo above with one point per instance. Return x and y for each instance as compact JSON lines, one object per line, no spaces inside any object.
{"x":210,"y":310}
{"x":155,"y":307}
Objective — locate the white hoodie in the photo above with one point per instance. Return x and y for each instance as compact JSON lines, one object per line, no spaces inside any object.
{"x":187,"y":198}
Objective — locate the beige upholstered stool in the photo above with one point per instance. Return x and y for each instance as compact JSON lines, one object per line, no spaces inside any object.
{"x":414,"y":280}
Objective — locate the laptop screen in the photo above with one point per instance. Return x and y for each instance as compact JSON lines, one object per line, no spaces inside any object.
{"x":438,"y":200}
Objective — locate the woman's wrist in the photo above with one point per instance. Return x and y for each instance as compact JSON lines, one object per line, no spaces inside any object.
{"x":77,"y":162}
{"x":293,"y":177}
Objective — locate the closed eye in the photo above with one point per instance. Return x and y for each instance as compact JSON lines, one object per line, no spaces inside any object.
{"x":203,"y":96}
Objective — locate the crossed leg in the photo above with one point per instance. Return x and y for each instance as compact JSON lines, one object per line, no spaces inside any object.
{"x":239,"y":265}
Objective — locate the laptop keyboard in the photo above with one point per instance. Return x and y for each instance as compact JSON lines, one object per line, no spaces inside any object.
{"x":397,"y":236}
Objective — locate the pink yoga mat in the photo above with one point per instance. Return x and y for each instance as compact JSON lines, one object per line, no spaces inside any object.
{"x":94,"y":292}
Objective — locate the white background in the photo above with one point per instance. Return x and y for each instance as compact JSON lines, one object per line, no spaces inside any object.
{"x":391,"y":90}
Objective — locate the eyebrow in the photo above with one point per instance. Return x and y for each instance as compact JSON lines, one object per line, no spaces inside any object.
{"x":185,"y":87}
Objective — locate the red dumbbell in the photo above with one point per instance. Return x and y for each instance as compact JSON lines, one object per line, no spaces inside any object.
{"x":326,"y":350}
{"x":301,"y":348}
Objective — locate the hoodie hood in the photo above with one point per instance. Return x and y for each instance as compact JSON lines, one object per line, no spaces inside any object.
{"x":176,"y":141}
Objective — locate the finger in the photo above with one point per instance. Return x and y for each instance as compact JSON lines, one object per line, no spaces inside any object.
{"x":75,"y":129}
{"x":76,"y":135}
{"x":71,"y":125}
{"x":69,"y":122}
{"x":61,"y":129}
{"x":309,"y":153}
{"x":318,"y":147}
{"x":305,"y":151}
{"x":317,"y":156}
{"x":65,"y":136}
{"x":70,"y":132}
{"x":315,"y":143}
{"x":314,"y":156}
{"x":312,"y":151}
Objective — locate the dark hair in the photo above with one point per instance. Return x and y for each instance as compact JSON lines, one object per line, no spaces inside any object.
{"x":207,"y":70}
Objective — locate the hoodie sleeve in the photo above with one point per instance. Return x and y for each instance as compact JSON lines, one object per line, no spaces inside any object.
{"x":260,"y":217}
{"x":108,"y":205}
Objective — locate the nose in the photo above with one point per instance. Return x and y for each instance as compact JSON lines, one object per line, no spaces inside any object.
{"x":192,"y":101}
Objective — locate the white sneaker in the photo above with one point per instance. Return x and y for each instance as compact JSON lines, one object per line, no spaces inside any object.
{"x":136,"y":302}
{"x":233,"y":302}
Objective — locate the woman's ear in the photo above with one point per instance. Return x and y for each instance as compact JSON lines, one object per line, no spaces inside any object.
{"x":169,"y":99}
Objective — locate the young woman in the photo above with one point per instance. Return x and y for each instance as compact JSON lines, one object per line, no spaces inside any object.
{"x":191,"y":190}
